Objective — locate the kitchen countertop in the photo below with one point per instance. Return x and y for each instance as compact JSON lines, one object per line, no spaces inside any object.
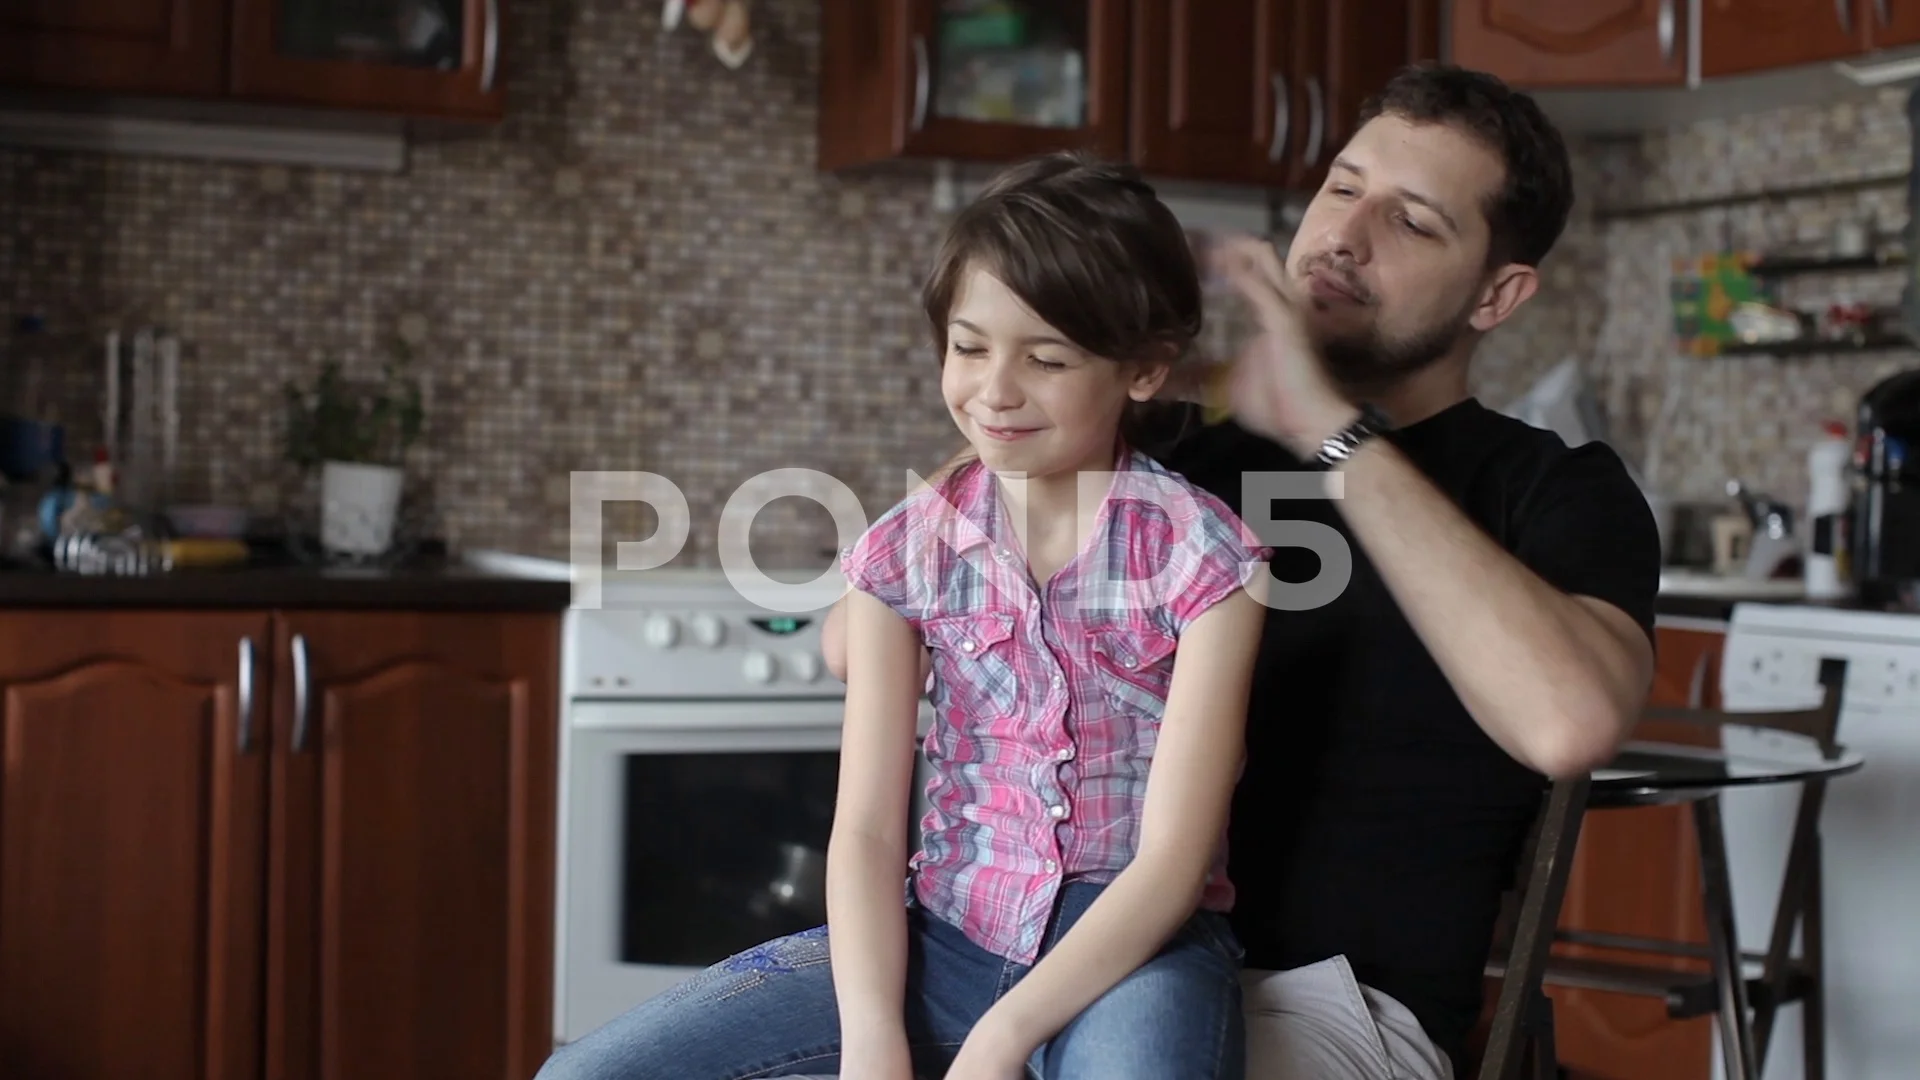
{"x":430,"y":585}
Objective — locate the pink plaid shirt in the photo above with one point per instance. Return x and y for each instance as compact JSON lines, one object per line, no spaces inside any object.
{"x":1047,"y":700}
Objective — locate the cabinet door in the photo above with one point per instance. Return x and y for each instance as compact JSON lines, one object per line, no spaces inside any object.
{"x":132,"y":763}
{"x":1895,"y":23}
{"x":119,"y":46}
{"x":1569,"y":43}
{"x":1213,"y":83}
{"x":1638,"y":872}
{"x":1743,"y":36}
{"x":962,"y":80}
{"x":414,"y":57}
{"x":1346,"y":50}
{"x":410,"y":850}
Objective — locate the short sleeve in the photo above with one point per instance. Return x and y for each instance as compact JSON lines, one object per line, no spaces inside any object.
{"x":879,"y":562}
{"x":1217,"y":553}
{"x":1587,"y":530}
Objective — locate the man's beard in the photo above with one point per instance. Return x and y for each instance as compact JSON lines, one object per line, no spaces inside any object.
{"x":1369,"y":359}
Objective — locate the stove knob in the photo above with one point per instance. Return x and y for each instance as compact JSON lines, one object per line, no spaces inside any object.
{"x":661,"y":631}
{"x":805,"y":666}
{"x":707,"y":630}
{"x":759,"y":667}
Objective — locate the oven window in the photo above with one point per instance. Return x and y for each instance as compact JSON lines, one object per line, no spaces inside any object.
{"x":722,"y":852}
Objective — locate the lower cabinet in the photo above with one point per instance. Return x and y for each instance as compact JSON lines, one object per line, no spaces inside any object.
{"x":1637,"y":872}
{"x":292,"y":845}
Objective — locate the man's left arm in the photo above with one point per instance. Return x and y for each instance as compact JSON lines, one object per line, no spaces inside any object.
{"x":1556,"y":678}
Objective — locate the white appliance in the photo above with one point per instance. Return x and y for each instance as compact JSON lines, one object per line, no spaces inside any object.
{"x":699,"y":760}
{"x":1870,"y":827}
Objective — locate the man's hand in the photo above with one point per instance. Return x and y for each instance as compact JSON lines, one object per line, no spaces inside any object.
{"x":1280,"y":386}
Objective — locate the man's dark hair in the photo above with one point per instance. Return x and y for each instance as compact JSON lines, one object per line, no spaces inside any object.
{"x":1529,"y":210}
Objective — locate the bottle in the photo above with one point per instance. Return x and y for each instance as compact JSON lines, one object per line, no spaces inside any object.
{"x":1827,"y":569}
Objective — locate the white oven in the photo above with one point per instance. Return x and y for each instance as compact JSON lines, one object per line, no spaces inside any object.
{"x":699,"y":772}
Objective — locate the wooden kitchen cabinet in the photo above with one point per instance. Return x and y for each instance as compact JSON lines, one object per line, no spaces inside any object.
{"x":133,"y":763}
{"x":1214,"y":88}
{"x":1637,"y":872}
{"x":1739,"y":37}
{"x":115,"y":46}
{"x":401,"y":57}
{"x":1258,"y":92}
{"x":360,"y":885}
{"x":410,"y":852}
{"x":918,"y":79}
{"x":395,"y":56}
{"x":1572,"y":43}
{"x":1264,"y":91}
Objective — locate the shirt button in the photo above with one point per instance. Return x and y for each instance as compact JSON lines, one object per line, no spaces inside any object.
{"x":966,"y":646}
{"x":1056,"y":811}
{"x":1065,"y":753}
{"x":1057,"y":680}
{"x":1127,"y":662}
{"x":1052,"y":867}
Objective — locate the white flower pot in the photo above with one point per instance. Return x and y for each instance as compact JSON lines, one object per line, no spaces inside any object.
{"x":357,"y":507}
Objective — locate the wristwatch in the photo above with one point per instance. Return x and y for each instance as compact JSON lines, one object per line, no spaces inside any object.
{"x":1340,"y":445}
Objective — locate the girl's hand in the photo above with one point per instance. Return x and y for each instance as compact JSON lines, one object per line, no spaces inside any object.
{"x":990,"y":1053}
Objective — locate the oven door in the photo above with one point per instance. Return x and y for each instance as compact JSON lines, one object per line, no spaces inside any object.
{"x":691,"y":830}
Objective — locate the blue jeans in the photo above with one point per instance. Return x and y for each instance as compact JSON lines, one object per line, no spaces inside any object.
{"x":770,"y":1012}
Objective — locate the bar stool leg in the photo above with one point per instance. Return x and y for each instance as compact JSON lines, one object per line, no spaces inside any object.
{"x":1736,"y":1036}
{"x":1813,"y":1007}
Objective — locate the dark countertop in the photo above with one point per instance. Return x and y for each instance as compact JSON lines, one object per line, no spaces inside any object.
{"x":427,"y":586}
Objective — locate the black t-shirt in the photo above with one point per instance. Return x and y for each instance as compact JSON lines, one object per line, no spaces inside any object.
{"x":1375,"y":818}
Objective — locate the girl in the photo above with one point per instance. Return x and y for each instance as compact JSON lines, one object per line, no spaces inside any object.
{"x":1064,"y":918}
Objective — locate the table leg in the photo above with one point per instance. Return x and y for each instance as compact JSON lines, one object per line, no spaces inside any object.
{"x":1736,"y":1034}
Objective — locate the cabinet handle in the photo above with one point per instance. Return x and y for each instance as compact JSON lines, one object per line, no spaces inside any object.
{"x":299,"y":651}
{"x":922,"y":81}
{"x":1282,"y":118}
{"x":1316,"y":120}
{"x":1881,"y":13}
{"x":1666,"y":30}
{"x":490,"y":46}
{"x":246,"y":694}
{"x":1697,"y":685}
{"x":1843,"y":9}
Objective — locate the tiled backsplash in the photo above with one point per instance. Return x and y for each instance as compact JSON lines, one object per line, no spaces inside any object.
{"x":1692,"y":423}
{"x":641,"y":269}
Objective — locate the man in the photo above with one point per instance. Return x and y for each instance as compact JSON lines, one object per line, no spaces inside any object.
{"x":1497,"y":626}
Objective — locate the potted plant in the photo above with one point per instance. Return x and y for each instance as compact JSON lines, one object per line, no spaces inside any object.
{"x":358,"y":437}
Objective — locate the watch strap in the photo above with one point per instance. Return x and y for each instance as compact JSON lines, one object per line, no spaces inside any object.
{"x":1341,"y":445}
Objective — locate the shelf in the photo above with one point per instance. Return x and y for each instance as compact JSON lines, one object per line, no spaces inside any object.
{"x":1788,"y":265}
{"x":1740,"y":198}
{"x":1817,"y":347}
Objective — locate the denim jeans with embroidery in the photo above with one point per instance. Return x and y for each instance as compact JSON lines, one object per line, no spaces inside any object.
{"x":770,"y":1012}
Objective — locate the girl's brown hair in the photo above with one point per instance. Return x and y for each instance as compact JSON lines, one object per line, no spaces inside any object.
{"x":1090,"y":248}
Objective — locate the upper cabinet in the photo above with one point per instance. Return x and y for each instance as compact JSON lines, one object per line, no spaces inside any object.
{"x":933,"y":78}
{"x":1228,"y":91}
{"x":115,"y":46}
{"x":1213,"y":88}
{"x":418,"y":57}
{"x":1601,"y":44}
{"x":1739,"y":37}
{"x":422,"y":58}
{"x":1575,"y":42}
